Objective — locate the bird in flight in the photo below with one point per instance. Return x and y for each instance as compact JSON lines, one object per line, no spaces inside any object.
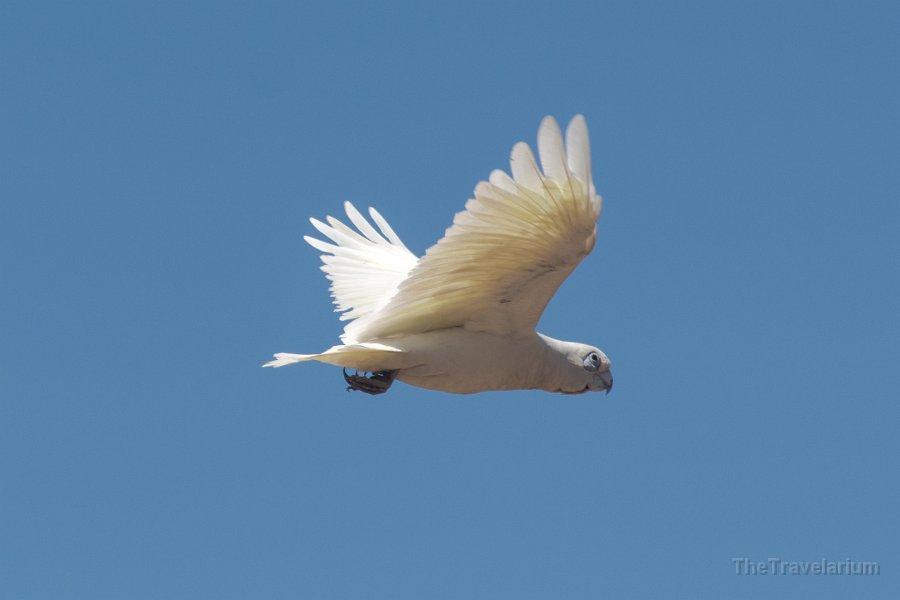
{"x":462,"y":318}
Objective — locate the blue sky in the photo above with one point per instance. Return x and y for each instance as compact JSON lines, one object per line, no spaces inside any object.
{"x":159,"y":162}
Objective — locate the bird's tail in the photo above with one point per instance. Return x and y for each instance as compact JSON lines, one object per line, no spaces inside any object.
{"x":286,"y":358}
{"x":367,"y":356}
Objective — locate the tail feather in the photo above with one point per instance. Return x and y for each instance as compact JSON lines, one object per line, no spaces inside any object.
{"x":285,"y":358}
{"x":368,"y":356}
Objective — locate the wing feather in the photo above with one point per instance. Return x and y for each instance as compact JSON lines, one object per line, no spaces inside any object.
{"x":551,"y":150}
{"x":386,"y":229}
{"x":505,"y":256}
{"x":360,"y":223}
{"x":578,"y":149}
{"x":365,"y":268}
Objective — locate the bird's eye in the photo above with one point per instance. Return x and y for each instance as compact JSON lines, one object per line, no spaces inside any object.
{"x":592,"y":361}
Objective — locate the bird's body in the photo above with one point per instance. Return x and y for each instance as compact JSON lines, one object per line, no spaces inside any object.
{"x":464,"y":362}
{"x":461,"y":319}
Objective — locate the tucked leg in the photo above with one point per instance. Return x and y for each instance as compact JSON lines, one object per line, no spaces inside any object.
{"x":376,"y":383}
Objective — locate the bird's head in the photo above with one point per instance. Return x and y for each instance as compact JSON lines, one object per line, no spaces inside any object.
{"x":583,"y":368}
{"x":596,"y":368}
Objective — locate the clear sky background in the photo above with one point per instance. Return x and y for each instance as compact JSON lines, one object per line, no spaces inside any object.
{"x":159,"y":162}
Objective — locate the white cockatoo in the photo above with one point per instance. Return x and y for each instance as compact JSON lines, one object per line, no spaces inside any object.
{"x":462,"y":318}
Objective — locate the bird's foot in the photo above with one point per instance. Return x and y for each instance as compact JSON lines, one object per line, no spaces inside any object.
{"x":376,"y":383}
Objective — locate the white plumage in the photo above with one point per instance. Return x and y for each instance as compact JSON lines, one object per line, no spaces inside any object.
{"x":462,"y":318}
{"x":366,"y":269}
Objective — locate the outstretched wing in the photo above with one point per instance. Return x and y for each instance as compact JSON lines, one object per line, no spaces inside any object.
{"x":504,"y":257}
{"x":364,"y":268}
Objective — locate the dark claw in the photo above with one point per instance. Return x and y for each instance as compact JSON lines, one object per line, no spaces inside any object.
{"x":376,"y":383}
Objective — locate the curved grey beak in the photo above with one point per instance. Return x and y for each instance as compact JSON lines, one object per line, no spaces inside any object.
{"x":603,"y":381}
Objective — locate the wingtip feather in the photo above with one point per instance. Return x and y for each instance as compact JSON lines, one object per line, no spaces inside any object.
{"x":551,"y":150}
{"x":524,"y":169}
{"x":578,"y":149}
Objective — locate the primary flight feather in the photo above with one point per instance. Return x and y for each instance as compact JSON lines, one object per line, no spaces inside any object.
{"x":462,"y":318}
